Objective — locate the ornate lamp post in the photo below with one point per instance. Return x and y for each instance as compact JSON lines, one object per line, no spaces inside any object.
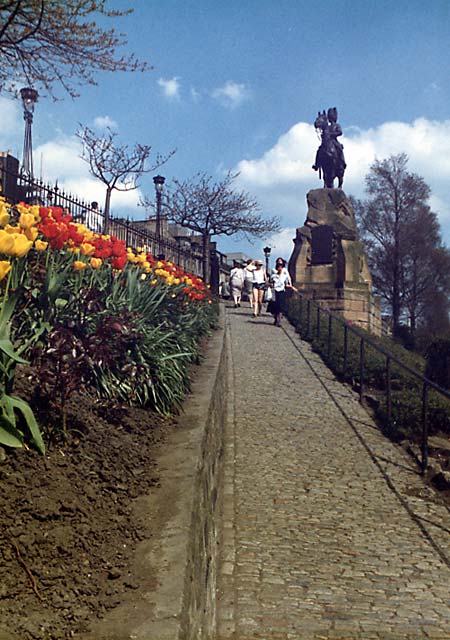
{"x":29,"y":98}
{"x":267,"y":251}
{"x":159,"y":186}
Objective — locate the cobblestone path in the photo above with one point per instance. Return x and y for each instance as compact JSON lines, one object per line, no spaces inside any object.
{"x":328,"y":530}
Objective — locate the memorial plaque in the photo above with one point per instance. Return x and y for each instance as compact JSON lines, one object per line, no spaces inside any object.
{"x":322,"y":244}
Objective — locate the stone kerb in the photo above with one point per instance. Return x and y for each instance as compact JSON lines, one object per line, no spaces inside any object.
{"x":177,"y":567}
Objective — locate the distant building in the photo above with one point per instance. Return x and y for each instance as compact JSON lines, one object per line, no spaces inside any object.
{"x":237,"y":256}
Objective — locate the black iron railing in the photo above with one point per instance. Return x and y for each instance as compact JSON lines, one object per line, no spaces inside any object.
{"x":318,"y":324}
{"x":19,"y":188}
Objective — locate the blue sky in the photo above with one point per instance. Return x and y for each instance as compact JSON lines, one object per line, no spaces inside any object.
{"x":237,"y":84}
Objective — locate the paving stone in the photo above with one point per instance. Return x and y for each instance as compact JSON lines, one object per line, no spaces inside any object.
{"x":327,"y":541}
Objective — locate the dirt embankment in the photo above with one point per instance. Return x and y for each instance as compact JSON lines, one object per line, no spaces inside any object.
{"x":67,"y":528}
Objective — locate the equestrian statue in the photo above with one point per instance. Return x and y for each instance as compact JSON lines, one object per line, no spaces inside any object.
{"x":330,"y":161}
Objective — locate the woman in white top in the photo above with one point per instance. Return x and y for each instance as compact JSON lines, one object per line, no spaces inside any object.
{"x":280,"y":281}
{"x":283,"y":264}
{"x":236,"y":284}
{"x":248,"y":280}
{"x":259,"y":286}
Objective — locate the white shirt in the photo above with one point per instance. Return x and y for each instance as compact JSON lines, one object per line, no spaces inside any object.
{"x":237,"y":275}
{"x":259,"y":275}
{"x":248,"y":272}
{"x":280,"y":280}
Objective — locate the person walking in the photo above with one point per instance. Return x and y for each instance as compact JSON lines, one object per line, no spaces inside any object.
{"x":259,"y":286}
{"x":248,"y":280}
{"x":280,"y":281}
{"x":236,"y":284}
{"x":283,"y":264}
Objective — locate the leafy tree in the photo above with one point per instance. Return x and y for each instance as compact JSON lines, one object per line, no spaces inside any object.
{"x":115,"y":165}
{"x":212,"y":208}
{"x":50,"y":43}
{"x":405,"y":251}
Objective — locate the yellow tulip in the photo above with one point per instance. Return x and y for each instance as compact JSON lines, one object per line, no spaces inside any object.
{"x":6,"y":242}
{"x":34,"y":210}
{"x":27,"y":220}
{"x":95,"y":263}
{"x":22,"y":208}
{"x":5,"y":268}
{"x":87,"y":249}
{"x":79,"y":266}
{"x":21,"y":245}
{"x":31,"y":233}
{"x":39,"y":245}
{"x":4,"y":217}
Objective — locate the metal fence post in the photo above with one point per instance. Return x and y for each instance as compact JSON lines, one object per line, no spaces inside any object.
{"x":330,"y":319}
{"x":388,"y":394}
{"x":424,"y":427}
{"x":361,"y":371}
{"x":345,"y":350}
{"x":318,"y":323}
{"x":308,"y":313}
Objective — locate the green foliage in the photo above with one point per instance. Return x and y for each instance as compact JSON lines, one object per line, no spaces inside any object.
{"x":17,"y":421}
{"x":438,"y":362}
{"x":406,"y":403}
{"x":107,"y":333}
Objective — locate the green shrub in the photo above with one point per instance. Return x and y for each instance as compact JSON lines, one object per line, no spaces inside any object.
{"x":438,"y":362}
{"x":406,"y":389}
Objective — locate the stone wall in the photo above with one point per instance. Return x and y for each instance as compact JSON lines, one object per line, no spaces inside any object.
{"x":199,"y":616}
{"x":175,"y":569}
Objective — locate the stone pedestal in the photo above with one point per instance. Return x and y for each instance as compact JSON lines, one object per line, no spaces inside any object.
{"x":328,"y":263}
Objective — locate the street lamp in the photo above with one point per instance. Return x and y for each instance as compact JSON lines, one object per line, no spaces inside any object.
{"x":267,"y":251}
{"x":29,"y":98}
{"x":159,"y":186}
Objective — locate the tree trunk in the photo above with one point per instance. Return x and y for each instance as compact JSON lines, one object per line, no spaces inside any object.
{"x":106,"y":211}
{"x":396,"y":278}
{"x":205,"y":257}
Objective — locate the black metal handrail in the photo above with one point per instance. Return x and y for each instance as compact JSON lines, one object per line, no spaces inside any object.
{"x":21,"y":188}
{"x":390,"y":358}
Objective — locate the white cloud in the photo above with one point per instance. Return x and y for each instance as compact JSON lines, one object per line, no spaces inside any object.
{"x":231,"y":95}
{"x":282,"y":243}
{"x":105,"y":122}
{"x":170,"y":87}
{"x":282,"y":176}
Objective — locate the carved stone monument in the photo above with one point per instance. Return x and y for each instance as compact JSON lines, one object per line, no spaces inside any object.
{"x":328,"y":263}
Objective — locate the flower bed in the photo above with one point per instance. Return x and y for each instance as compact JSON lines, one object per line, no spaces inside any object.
{"x":81,"y":311}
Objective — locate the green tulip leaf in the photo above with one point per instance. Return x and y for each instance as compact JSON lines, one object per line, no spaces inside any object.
{"x":9,"y":435}
{"x":28,"y":414}
{"x":7,"y":347}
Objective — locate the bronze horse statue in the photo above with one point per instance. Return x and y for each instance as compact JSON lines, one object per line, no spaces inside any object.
{"x":330,"y":156}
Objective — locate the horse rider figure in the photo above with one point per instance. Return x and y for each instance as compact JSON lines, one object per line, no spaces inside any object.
{"x":330,"y":144}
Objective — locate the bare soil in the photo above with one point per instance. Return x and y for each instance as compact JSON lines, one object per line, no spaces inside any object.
{"x":67,"y":526}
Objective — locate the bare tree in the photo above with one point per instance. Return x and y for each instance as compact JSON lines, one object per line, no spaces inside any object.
{"x":426,"y":266}
{"x":408,"y":261}
{"x":212,"y":208}
{"x":49,"y":43}
{"x":393,"y":196}
{"x":115,"y":165}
